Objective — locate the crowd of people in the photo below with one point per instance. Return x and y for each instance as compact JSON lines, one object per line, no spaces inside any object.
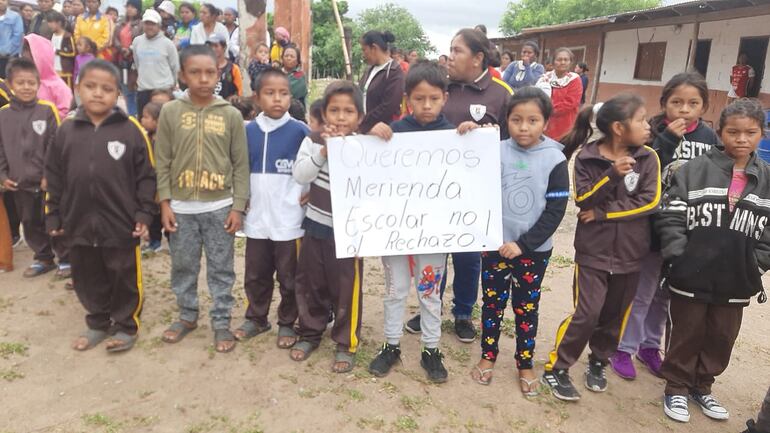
{"x":670,"y":232}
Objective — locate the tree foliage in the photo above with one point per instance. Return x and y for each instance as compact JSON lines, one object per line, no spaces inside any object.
{"x":399,"y":21}
{"x":327,"y":44}
{"x":535,"y":13}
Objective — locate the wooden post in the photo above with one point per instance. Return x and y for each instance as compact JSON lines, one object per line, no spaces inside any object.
{"x":693,"y":45}
{"x":598,"y":74}
{"x":345,"y":53}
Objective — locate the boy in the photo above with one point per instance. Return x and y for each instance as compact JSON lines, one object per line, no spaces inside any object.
{"x":203,"y":187}
{"x":64,"y":47}
{"x":273,"y":224}
{"x":27,"y":129}
{"x":230,"y":80}
{"x":426,"y":92}
{"x":322,"y":279}
{"x":103,"y":223}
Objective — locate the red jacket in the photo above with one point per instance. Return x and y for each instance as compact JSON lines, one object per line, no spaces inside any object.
{"x":566,"y":93}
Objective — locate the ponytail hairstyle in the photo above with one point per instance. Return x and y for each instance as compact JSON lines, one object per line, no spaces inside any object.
{"x":530,"y":94}
{"x":693,"y":79}
{"x":620,"y":108}
{"x":744,"y":107}
{"x":381,"y":39}
{"x":477,"y":42}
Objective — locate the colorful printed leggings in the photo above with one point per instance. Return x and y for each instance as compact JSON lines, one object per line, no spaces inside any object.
{"x":520,"y":280}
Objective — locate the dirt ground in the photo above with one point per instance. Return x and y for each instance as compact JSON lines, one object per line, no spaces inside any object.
{"x":47,"y":387}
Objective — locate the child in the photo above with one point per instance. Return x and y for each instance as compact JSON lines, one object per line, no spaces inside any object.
{"x":86,"y":52}
{"x":322,"y":279}
{"x":230,"y":83}
{"x":161,"y":96}
{"x":203,"y":187}
{"x":5,"y":93}
{"x":63,"y":45}
{"x":297,"y":111}
{"x":52,"y":87}
{"x":517,"y":269}
{"x":617,"y":184}
{"x":679,"y":136}
{"x":27,"y":130}
{"x":273,"y":224}
{"x":259,"y":63}
{"x":316,"y":116}
{"x":716,"y":248}
{"x":149,"y":121}
{"x":103,"y":224}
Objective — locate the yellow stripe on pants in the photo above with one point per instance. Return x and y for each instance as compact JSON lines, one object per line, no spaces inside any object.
{"x":139,"y":286}
{"x":354,"y":307}
{"x":562,"y":330}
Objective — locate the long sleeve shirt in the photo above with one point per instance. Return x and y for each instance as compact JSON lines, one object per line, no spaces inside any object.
{"x":11,"y":33}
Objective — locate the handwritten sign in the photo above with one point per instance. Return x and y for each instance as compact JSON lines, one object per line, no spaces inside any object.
{"x":419,"y":193}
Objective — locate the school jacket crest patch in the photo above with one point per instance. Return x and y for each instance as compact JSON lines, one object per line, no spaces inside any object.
{"x":116,"y":149}
{"x":631,"y":180}
{"x":39,"y":126}
{"x":478,"y":111}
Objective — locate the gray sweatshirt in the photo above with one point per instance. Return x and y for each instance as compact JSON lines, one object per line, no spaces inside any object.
{"x":157,"y":62}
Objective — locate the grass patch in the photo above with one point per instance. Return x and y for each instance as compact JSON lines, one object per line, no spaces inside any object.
{"x":560,"y":261}
{"x":461,"y":355}
{"x":369,"y":424}
{"x":405,"y":423}
{"x":101,"y":420}
{"x":508,"y":327}
{"x":356,"y":395}
{"x":414,"y":404}
{"x":11,"y":374}
{"x":9,"y":349}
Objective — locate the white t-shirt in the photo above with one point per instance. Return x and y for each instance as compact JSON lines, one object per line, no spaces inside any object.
{"x":56,"y":41}
{"x":375,"y":71}
{"x":199,"y":207}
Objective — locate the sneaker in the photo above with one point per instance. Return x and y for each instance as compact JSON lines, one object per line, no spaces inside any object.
{"x":16,"y":242}
{"x":385,"y":359}
{"x":413,"y":325}
{"x":432,"y":362}
{"x":560,"y":384}
{"x":623,"y":365}
{"x":596,"y":378}
{"x":710,"y":406}
{"x":651,"y":358}
{"x":675,"y":406}
{"x":465,"y":330}
{"x":152,"y":247}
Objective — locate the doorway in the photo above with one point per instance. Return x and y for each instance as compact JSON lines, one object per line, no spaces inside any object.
{"x":702,"y":55}
{"x":756,"y":50}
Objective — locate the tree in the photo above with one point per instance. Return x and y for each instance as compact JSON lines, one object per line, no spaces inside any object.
{"x":399,"y":21}
{"x":535,"y":13}
{"x":327,"y":45}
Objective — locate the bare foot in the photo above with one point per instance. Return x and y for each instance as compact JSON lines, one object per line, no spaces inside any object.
{"x":174,"y":336}
{"x":287,"y":342}
{"x":80,"y":344}
{"x":483,"y":371}
{"x":225,"y":346}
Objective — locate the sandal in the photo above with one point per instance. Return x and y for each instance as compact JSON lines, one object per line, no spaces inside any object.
{"x":529,"y":383}
{"x":480,"y":380}
{"x":126,"y":342}
{"x":304,"y":347}
{"x":63,"y":272}
{"x":180,"y":330}
{"x":222,"y":336}
{"x":39,"y":268}
{"x":251,"y":329}
{"x":286,"y":332}
{"x":92,"y":337}
{"x":343,"y":357}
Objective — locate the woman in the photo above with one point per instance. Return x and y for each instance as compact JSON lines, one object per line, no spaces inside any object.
{"x":188,"y":18}
{"x":127,"y":29}
{"x":230,"y":16}
{"x":292,"y":65}
{"x":505,"y":60}
{"x":97,"y":27}
{"x":209,"y":16}
{"x":167,"y":11}
{"x":281,"y":40}
{"x":27,"y":13}
{"x":565,"y":89}
{"x":582,"y":70}
{"x":383,"y":82}
{"x":524,"y":72}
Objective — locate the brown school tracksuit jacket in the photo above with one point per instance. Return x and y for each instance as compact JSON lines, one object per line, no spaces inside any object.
{"x":66,"y":55}
{"x":482,"y":101}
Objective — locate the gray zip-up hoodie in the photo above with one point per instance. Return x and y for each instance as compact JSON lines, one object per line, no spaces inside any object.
{"x":157,"y":62}
{"x":535,"y":188}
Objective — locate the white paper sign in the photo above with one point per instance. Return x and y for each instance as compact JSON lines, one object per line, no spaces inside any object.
{"x":420,"y":193}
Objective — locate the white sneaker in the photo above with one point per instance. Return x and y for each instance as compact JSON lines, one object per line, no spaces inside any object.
{"x":710,"y":406}
{"x":676,"y":408}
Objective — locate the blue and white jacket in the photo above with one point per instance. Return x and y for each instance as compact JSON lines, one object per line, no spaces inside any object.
{"x":274,"y":212}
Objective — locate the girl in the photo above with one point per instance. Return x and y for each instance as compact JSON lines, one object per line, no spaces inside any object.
{"x":150,"y":115}
{"x":617,"y":184}
{"x":533,"y":165}
{"x":713,"y":238}
{"x":86,"y":52}
{"x":679,"y":136}
{"x":259,"y":63}
{"x":149,"y":121}
{"x":565,"y":89}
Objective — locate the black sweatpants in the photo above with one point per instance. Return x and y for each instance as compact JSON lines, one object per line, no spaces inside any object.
{"x":13,"y":216}
{"x":265,"y":258}
{"x":108,"y":282}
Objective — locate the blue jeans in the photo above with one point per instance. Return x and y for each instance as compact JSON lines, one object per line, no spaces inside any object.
{"x":467,"y":267}
{"x":130,"y":96}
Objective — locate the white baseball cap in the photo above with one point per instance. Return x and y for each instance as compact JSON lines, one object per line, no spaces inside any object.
{"x":167,"y":7}
{"x":151,"y":16}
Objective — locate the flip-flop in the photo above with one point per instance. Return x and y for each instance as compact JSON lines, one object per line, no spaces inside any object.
{"x":305,"y":347}
{"x":345,"y":357}
{"x":64,"y":271}
{"x":483,"y":373}
{"x":180,"y":329}
{"x":93,"y":337}
{"x":39,"y":268}
{"x":127,"y":340}
{"x":286,"y":331}
{"x":251,"y":329}
{"x":222,"y":335}
{"x":529,"y":384}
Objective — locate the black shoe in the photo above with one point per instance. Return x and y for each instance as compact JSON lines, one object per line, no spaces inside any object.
{"x":432,"y":363}
{"x":596,"y":379}
{"x":385,"y":360}
{"x":560,"y":384}
{"x":751,"y":427}
{"x":413,"y":325}
{"x":465,"y":330}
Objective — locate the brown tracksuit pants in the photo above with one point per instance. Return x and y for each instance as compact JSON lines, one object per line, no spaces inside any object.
{"x":265,"y":258}
{"x":602,"y":303}
{"x":6,"y":240}
{"x":30,"y":206}
{"x":108,"y":282}
{"x":702,"y":339}
{"x":323,"y":281}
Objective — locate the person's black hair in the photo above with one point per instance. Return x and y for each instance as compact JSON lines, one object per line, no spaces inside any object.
{"x":257,"y":84}
{"x":481,"y":28}
{"x":444,"y":56}
{"x":583,"y":66}
{"x":693,"y":79}
{"x":100,"y":65}
{"x":189,"y":6}
{"x":507,"y":53}
{"x":316,"y":110}
{"x":153,"y":109}
{"x":111,"y":9}
{"x":621,"y":108}
{"x":532,"y":44}
{"x":90,"y":42}
{"x":342,"y":87}
{"x":19,"y":64}
{"x":54,"y":16}
{"x":381,"y":39}
{"x":297,"y":110}
{"x":195,"y":50}
{"x":427,"y":71}
{"x":744,"y":107}
{"x":395,"y":50}
{"x":296,"y":50}
{"x":477,"y":42}
{"x":213,"y":10}
{"x":167,"y":92}
{"x":245,"y":106}
{"x":495,"y":59}
{"x":530,"y":94}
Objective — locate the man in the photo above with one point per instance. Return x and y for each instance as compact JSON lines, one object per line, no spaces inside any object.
{"x":77,"y":7}
{"x":230,"y":17}
{"x":156,"y":59}
{"x":39,"y":24}
{"x":741,"y":78}
{"x":11,"y":32}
